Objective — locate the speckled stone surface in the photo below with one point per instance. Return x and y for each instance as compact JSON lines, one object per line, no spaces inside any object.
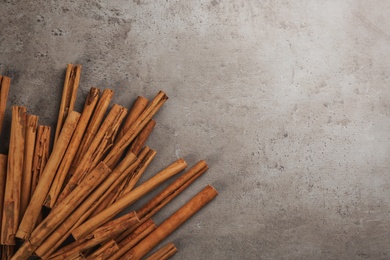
{"x":288,"y":102}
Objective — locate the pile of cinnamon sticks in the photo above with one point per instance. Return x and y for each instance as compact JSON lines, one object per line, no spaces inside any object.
{"x":89,"y":176}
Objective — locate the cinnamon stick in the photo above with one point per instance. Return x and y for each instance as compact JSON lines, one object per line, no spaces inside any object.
{"x":172,"y":223}
{"x":64,"y":167}
{"x":86,"y":208}
{"x":140,"y":140}
{"x":41,"y":155}
{"x":136,"y":127}
{"x":11,"y":206}
{"x":100,"y":235}
{"x":3,"y":178}
{"x":164,"y":252}
{"x":136,"y":110}
{"x":102,"y":141}
{"x":5,"y":83}
{"x":30,"y":135}
{"x":63,"y":210}
{"x":34,"y":208}
{"x":133,"y":238}
{"x":138,"y":107}
{"x":93,"y":127}
{"x":69,"y":92}
{"x":104,"y":216}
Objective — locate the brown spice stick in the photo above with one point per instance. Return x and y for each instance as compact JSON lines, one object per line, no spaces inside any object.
{"x":133,"y":238}
{"x":63,"y":210}
{"x":41,"y":155}
{"x":136,"y":110}
{"x":87,"y":207}
{"x":102,"y":141}
{"x":34,"y":208}
{"x":11,"y":206}
{"x":30,"y":136}
{"x":172,"y":223}
{"x":64,"y":167}
{"x":93,"y":127}
{"x":5,"y":83}
{"x":3,"y":178}
{"x":164,"y":252}
{"x":104,"y":216}
{"x":138,"y":107}
{"x":69,"y":92}
{"x":140,"y":140}
{"x":136,"y":127}
{"x":100,"y":235}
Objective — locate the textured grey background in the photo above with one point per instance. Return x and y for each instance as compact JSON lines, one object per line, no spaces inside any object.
{"x":288,"y":102}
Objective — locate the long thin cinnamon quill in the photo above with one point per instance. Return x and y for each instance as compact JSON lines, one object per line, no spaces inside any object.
{"x":5,"y":83}
{"x":41,"y":155}
{"x":93,"y":127}
{"x":11,"y":207}
{"x":30,"y":136}
{"x":3,"y":178}
{"x":69,"y":92}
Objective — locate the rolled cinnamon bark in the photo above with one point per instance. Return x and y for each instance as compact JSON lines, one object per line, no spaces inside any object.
{"x":34,"y":208}
{"x":140,"y":140}
{"x":164,"y":252}
{"x":41,"y":155}
{"x":86,"y":208}
{"x":66,"y":162}
{"x":3,"y":178}
{"x":102,"y":141}
{"x":30,"y":136}
{"x":69,"y":92}
{"x":138,"y":107}
{"x":93,"y":127}
{"x":107,"y":214}
{"x":136,"y":127}
{"x":5,"y":83}
{"x":11,"y":206}
{"x":63,"y":210}
{"x":170,"y":224}
{"x":136,"y":110}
